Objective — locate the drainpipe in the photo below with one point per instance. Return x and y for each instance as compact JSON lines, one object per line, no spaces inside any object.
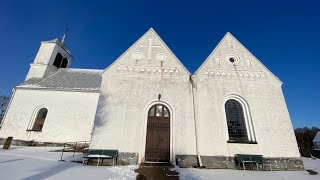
{"x":5,"y":114}
{"x":195,"y":113}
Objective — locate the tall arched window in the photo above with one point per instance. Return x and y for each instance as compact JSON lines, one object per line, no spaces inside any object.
{"x":236,"y":121}
{"x":57,"y":60}
{"x":40,"y":118}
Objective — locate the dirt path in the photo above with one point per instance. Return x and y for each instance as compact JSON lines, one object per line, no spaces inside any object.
{"x":147,"y":172}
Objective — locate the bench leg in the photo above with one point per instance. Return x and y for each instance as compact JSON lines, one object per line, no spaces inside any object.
{"x":257,"y":166}
{"x":244,"y":167}
{"x":98,"y":161}
{"x":112,"y":161}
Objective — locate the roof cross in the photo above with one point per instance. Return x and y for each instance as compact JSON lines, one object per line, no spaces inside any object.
{"x":64,"y":36}
{"x":150,"y":46}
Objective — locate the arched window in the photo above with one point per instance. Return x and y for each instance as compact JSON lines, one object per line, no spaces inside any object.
{"x":39,"y":120}
{"x":236,"y":121}
{"x":159,"y":110}
{"x":58,"y":60}
{"x":64,"y":63}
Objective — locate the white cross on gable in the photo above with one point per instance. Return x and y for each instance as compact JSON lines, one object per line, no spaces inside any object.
{"x":150,"y":46}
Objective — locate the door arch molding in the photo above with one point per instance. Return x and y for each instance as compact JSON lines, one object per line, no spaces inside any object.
{"x":144,"y":131}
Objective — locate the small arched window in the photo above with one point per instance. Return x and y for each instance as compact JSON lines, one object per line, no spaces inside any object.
{"x":236,"y":121}
{"x":58,"y":60}
{"x":39,"y":120}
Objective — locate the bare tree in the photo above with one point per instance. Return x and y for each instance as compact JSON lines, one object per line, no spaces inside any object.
{"x":4,"y":101}
{"x":304,"y":138}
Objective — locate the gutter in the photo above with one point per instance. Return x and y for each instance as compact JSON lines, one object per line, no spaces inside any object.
{"x":58,"y":89}
{"x":195,"y":114}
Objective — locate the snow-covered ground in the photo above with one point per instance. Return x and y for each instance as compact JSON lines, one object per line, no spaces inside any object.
{"x":32,"y":163}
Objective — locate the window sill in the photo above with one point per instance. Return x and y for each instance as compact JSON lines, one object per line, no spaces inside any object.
{"x":242,"y":142}
{"x":35,"y":130}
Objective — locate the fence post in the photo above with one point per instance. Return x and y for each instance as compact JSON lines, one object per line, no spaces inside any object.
{"x":74,"y":149}
{"x":62,"y":151}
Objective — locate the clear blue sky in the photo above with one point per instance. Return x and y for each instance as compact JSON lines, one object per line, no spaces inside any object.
{"x":283,"y":35}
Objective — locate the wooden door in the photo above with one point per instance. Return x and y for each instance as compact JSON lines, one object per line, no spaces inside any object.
{"x":158,"y":134}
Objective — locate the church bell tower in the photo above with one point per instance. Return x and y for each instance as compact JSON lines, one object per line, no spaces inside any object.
{"x":51,"y":56}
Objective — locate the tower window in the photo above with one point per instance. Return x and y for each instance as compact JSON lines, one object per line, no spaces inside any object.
{"x":60,"y":62}
{"x":57,"y":60}
{"x":64,"y":63}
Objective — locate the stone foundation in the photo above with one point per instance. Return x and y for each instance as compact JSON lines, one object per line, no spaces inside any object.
{"x":191,"y":160}
{"x":126,"y":158}
{"x":17,"y":142}
{"x":292,"y":164}
{"x":223,"y":162}
{"x":218,"y":162}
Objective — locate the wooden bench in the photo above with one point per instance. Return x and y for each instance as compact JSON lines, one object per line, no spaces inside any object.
{"x":101,"y":155}
{"x":250,"y":159}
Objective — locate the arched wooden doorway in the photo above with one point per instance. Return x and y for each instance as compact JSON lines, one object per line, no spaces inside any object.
{"x":158,"y":134}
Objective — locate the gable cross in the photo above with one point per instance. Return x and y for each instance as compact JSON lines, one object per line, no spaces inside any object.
{"x":150,"y":46}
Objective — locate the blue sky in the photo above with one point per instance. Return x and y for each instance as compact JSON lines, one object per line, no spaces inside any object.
{"x":284,"y":36}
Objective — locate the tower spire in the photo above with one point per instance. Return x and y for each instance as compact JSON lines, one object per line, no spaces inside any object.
{"x":64,"y":35}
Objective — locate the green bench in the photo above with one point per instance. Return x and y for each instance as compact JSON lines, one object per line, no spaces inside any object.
{"x":101,"y":155}
{"x":249,"y":159}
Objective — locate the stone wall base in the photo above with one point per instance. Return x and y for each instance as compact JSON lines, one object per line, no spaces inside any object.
{"x":292,"y":164}
{"x":218,"y":162}
{"x":17,"y":142}
{"x":210,"y":162}
{"x":125,"y":158}
{"x":191,"y":160}
{"x":278,"y":163}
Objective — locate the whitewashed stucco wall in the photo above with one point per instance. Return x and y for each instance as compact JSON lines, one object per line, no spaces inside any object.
{"x":250,"y":80}
{"x":128,"y":89}
{"x":70,"y":115}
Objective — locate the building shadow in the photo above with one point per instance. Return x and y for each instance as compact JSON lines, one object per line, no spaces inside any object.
{"x":52,"y":171}
{"x":12,"y":160}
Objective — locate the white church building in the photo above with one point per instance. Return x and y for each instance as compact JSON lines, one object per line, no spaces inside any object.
{"x":147,"y":105}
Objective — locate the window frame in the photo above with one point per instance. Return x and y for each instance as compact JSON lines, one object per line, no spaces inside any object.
{"x":235,"y":121}
{"x":34,"y":119}
{"x":251,"y":138}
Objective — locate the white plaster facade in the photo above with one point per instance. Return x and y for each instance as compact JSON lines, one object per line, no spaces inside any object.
{"x":247,"y":81}
{"x":130,"y":86}
{"x":117,"y":108}
{"x":70,"y":115}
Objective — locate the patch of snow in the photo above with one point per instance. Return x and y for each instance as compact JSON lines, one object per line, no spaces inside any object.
{"x":33,"y":163}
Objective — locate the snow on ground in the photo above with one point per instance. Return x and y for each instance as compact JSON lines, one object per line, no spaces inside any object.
{"x":226,"y":174}
{"x":33,"y":163}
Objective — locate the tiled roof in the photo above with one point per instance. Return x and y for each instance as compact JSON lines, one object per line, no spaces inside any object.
{"x":67,"y":79}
